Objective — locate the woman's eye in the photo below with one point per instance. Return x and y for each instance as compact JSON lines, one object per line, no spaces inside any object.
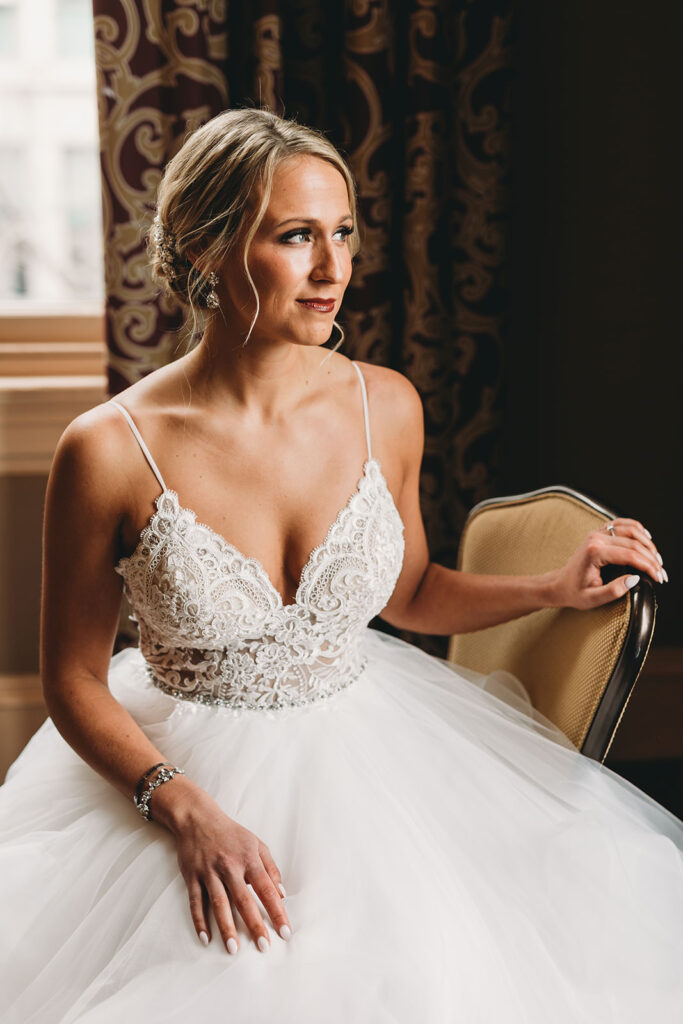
{"x":296,"y":236}
{"x":303,"y":235}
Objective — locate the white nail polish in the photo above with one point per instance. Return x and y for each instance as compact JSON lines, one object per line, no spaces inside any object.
{"x":204,"y":938}
{"x":666,"y":575}
{"x":231,"y":946}
{"x":282,"y":890}
{"x":631,"y":581}
{"x":649,"y":534}
{"x":285,"y":932}
{"x":660,"y":559}
{"x":263,"y":943}
{"x":660,"y":575}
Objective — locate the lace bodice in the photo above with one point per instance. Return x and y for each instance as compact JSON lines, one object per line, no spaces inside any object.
{"x":213,"y":627}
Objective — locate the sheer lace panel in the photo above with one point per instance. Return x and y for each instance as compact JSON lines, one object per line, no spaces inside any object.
{"x":214,"y":629}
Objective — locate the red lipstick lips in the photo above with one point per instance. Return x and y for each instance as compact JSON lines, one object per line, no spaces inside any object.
{"x":318,"y":305}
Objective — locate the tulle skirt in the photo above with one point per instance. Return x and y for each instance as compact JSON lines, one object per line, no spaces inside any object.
{"x":446,"y":856}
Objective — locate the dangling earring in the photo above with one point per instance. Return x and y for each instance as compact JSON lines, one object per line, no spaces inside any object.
{"x":212,"y":299}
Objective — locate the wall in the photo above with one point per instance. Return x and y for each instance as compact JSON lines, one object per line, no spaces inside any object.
{"x":596,"y":363}
{"x":21,"y":517}
{"x":50,"y":371}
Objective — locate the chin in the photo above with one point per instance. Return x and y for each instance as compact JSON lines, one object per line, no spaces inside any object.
{"x":314,"y":339}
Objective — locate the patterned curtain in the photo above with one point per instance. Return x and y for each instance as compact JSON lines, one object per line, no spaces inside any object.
{"x":416,"y":93}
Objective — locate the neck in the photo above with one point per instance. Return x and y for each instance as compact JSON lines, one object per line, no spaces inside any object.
{"x":263,"y":378}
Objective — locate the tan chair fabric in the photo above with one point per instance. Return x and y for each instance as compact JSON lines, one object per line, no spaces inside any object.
{"x":563,"y":657}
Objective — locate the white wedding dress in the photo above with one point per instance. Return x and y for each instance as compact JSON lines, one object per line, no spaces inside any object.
{"x":447,"y":857}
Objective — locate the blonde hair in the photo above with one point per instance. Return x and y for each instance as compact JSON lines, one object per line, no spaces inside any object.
{"x":205,"y":200}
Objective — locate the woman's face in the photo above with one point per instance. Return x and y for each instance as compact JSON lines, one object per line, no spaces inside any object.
{"x":299,"y":258}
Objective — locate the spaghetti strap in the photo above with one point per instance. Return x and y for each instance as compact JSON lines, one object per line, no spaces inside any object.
{"x":145,"y":449}
{"x":366,"y":414}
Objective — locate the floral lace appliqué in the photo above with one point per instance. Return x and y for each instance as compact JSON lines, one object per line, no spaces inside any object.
{"x":213,"y":628}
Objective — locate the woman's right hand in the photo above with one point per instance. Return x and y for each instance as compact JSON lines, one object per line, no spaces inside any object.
{"x":215,"y":853}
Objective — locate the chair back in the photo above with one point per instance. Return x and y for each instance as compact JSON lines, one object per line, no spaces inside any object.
{"x":579,"y":667}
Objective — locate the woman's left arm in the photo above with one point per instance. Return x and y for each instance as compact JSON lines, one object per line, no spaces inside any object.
{"x":430,"y":598}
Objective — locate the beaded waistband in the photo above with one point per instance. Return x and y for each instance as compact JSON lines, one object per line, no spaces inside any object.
{"x":268,"y":700}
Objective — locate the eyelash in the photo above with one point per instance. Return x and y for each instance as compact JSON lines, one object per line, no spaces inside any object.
{"x":306,"y":232}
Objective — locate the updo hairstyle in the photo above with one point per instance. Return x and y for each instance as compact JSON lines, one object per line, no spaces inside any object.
{"x":215,"y":191}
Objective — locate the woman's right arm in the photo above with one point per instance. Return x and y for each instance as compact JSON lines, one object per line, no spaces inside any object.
{"x":87,"y":500}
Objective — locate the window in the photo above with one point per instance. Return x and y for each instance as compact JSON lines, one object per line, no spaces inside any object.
{"x":50,"y":200}
{"x":8,"y":29}
{"x":74,"y":28}
{"x":81,"y":192}
{"x":13,"y":254}
{"x":51,"y":278}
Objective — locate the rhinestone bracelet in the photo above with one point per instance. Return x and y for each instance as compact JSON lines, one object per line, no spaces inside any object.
{"x":165,"y":775}
{"x":150,"y":771}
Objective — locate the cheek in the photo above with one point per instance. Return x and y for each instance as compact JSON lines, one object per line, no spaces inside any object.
{"x":348,"y":267}
{"x":278,"y":271}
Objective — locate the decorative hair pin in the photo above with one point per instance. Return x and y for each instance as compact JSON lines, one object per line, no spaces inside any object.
{"x":165,"y":244}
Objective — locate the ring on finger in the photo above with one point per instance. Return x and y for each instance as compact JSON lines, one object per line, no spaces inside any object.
{"x":609,"y":527}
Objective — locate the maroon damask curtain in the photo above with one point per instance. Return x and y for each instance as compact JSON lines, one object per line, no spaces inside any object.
{"x":416,"y":94}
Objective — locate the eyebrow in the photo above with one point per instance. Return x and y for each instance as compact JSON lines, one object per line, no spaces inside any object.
{"x":307,"y":220}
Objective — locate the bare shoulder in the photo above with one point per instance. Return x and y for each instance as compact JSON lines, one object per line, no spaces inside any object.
{"x":394,"y":400}
{"x":89,"y":461}
{"x":100,"y":442}
{"x":93,"y":435}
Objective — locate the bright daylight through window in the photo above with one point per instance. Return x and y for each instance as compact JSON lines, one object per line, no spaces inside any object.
{"x":50,"y":215}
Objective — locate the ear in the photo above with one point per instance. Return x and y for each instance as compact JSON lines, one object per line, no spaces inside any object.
{"x":195,"y":252}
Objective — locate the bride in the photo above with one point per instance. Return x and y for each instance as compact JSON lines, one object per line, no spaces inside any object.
{"x":402,"y":844}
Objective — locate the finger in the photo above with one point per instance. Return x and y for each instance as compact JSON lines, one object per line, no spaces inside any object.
{"x":264,"y":887}
{"x":198,"y":912}
{"x":272,"y":869}
{"x":251,"y":915}
{"x":646,"y":546}
{"x":625,"y":551}
{"x":222,"y":911}
{"x":625,"y":521}
{"x":597,"y":596}
{"x":632,"y":528}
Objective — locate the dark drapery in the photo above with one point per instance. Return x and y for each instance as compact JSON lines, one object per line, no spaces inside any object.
{"x":416,"y":94}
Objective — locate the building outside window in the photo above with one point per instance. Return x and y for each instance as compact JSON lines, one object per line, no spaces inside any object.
{"x":8,"y":28}
{"x":50,"y":200}
{"x":52,"y":351}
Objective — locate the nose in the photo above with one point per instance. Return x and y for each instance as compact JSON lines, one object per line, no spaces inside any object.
{"x":330,"y":260}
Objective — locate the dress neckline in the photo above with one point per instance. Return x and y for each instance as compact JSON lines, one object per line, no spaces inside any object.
{"x":255,"y":564}
{"x":123,"y":563}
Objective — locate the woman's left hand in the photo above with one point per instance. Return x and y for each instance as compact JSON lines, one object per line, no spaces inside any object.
{"x":578,"y":583}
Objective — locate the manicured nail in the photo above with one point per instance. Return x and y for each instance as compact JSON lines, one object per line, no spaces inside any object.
{"x":204,"y":938}
{"x":660,"y":559}
{"x":666,"y":575}
{"x":231,"y":946}
{"x":631,"y":581}
{"x":282,"y":890}
{"x":648,"y":533}
{"x":285,"y":932}
{"x":263,"y":943}
{"x":660,"y":575}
